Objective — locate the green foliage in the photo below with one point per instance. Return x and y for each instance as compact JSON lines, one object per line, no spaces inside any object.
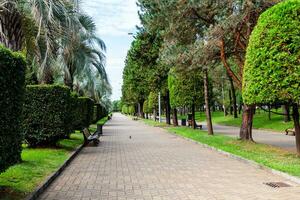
{"x":140,"y":75}
{"x":99,"y":112}
{"x":146,"y":108}
{"x":12,"y":78}
{"x":153,"y":101}
{"x":102,"y":121}
{"x":116,"y":106}
{"x":46,"y":114}
{"x":185,"y":89}
{"x":272,"y":69}
{"x":124,"y":109}
{"x":82,"y":109}
{"x":129,"y":110}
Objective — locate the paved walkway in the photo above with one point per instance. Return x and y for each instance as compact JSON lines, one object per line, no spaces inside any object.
{"x":156,"y":165}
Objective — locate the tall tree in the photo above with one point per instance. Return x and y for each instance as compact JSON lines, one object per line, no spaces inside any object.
{"x":272,"y":61}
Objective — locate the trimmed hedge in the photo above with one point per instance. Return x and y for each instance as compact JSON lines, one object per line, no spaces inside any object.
{"x":95,"y":118}
{"x":83,"y":112}
{"x":99,"y":112}
{"x":12,"y":79}
{"x":46,"y":114}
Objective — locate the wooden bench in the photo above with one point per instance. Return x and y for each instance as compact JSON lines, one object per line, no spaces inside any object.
{"x":88,"y":137}
{"x":135,"y":118}
{"x":190,"y":124}
{"x":198,"y":126}
{"x":290,"y":130}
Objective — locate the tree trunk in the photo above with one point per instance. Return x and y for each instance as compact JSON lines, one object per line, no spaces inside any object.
{"x":240,"y":108}
{"x":175,"y":119}
{"x":141,"y":113}
{"x":154,"y":114}
{"x":247,"y":121}
{"x":297,"y":126}
{"x":230,"y":103}
{"x":168,"y":108}
{"x":207,"y":107}
{"x":234,"y":106}
{"x":193,"y":116}
{"x":269,"y":112}
{"x":69,"y":76}
{"x":11,"y":27}
{"x":286,"y":112}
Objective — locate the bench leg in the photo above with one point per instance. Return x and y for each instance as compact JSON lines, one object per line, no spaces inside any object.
{"x":96,"y":142}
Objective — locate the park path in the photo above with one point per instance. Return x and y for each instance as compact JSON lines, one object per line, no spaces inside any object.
{"x":154,"y":164}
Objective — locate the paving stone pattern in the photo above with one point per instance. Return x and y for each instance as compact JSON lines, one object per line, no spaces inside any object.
{"x":154,"y":164}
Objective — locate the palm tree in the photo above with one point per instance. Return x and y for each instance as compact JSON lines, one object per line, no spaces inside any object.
{"x":82,"y":49}
{"x":56,"y":36}
{"x":11,"y":32}
{"x":34,"y":25}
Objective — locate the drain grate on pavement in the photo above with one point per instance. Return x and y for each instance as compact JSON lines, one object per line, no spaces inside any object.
{"x":277,"y":184}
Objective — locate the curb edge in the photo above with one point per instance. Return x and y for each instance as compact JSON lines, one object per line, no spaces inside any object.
{"x":41,"y":188}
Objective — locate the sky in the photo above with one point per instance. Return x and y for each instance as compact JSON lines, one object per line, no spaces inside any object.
{"x":114,"y":20}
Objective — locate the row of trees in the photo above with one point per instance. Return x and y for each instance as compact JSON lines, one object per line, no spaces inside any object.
{"x":59,"y":42}
{"x":194,"y":53}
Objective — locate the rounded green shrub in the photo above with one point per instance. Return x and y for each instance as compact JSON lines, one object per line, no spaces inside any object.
{"x":12,"y":79}
{"x":272,"y":68}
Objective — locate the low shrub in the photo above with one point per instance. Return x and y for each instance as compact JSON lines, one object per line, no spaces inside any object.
{"x":12,"y":79}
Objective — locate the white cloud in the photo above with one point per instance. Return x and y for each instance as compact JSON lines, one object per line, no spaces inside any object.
{"x":113,"y":17}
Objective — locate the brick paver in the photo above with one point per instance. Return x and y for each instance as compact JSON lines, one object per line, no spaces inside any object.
{"x":156,"y":165}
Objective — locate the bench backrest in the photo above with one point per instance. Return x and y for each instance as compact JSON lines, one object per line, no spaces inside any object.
{"x":86,"y":132}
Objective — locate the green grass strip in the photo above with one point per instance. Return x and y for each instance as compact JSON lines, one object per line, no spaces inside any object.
{"x":103,"y":121}
{"x":22,"y":179}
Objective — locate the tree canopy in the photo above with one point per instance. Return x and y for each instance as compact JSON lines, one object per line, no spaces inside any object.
{"x":272,"y":68}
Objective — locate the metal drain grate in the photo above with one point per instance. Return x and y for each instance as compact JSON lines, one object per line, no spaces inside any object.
{"x":277,"y":184}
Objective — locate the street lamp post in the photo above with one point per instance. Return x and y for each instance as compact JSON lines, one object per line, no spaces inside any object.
{"x":159,"y":107}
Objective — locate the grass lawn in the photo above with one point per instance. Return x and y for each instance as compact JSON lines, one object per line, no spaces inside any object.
{"x":22,"y":179}
{"x":269,"y":156}
{"x":151,"y":122}
{"x":260,"y":121}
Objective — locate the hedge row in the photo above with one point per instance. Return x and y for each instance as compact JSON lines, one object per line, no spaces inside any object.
{"x":46,"y":114}
{"x":51,"y":112}
{"x":83,"y":114}
{"x":12,"y":78}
